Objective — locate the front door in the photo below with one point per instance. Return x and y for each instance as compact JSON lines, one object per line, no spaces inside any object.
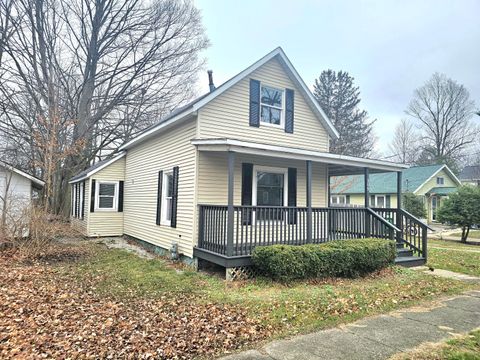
{"x":435,"y":206}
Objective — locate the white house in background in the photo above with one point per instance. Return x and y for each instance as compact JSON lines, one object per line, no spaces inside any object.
{"x":470,"y":175}
{"x":17,"y":190}
{"x":246,"y":164}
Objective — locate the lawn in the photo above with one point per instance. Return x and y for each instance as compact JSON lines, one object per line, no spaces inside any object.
{"x":106,"y":302}
{"x":465,"y":347}
{"x":473,"y":234}
{"x":455,"y":257}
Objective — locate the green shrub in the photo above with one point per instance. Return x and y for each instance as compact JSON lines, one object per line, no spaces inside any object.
{"x":341,"y":258}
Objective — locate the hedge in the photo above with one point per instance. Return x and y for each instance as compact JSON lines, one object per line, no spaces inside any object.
{"x":340,"y":258}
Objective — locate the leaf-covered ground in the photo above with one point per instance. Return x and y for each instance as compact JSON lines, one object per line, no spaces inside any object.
{"x":90,"y":302}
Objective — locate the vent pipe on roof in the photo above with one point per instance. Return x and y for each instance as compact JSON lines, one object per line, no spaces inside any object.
{"x":210,"y":80}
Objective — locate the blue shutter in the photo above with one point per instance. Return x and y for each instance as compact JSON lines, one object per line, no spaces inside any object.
{"x":289,"y":95}
{"x":254,"y":103}
{"x":92,"y":196}
{"x":120,"y":196}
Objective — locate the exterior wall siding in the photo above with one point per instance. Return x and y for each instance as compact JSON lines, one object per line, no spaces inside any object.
{"x":143,"y":163}
{"x":81,"y":225}
{"x":213,"y":178}
{"x":227,"y":116}
{"x":359,"y":199}
{"x":448,"y":182}
{"x":106,"y":223}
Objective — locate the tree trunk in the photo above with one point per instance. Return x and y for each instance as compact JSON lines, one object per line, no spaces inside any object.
{"x":465,"y":231}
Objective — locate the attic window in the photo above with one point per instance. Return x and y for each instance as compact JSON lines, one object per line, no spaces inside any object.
{"x":271,"y":102}
{"x":440,"y":181}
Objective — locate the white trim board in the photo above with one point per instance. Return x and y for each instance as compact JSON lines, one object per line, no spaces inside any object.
{"x":291,"y":71}
{"x":293,"y":153}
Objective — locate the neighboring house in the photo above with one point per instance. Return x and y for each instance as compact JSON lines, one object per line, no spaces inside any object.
{"x":470,"y":175}
{"x":17,"y":191}
{"x":432,"y":183}
{"x":246,"y":164}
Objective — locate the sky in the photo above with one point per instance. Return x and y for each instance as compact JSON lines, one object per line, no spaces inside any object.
{"x":389,"y":47}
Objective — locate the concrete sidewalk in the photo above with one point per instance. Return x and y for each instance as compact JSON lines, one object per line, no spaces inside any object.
{"x":378,"y":337}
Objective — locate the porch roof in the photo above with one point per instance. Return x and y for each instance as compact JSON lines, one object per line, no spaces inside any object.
{"x":337,"y":164}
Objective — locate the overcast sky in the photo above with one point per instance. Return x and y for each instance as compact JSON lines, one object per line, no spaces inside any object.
{"x":389,"y":47}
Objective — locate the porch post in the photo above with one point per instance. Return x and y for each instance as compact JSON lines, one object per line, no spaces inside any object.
{"x":329,"y":191}
{"x":309,"y":201}
{"x":367,"y":201}
{"x":398,"y":222}
{"x":230,"y":210}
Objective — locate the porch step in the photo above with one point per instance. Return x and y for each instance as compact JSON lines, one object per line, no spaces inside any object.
{"x":404,"y":252}
{"x":409,"y":261}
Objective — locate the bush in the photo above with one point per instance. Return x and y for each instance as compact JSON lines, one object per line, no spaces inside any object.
{"x":341,"y":258}
{"x":414,"y":205}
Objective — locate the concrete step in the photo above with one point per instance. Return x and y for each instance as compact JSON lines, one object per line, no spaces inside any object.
{"x":409,"y":261}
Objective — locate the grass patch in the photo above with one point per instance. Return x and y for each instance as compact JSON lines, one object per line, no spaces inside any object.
{"x":454,"y":257}
{"x":285,"y":309}
{"x":473,"y":234}
{"x":453,"y":245}
{"x":461,"y":348}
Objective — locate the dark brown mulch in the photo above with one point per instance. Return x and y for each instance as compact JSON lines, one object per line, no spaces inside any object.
{"x":43,"y":315}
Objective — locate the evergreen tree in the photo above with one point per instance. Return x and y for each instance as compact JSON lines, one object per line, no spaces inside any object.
{"x":339,"y":98}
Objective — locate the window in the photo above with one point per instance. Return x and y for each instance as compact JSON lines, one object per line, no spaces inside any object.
{"x":380,"y":201}
{"x":271,"y":106}
{"x":107,"y":194}
{"x":167,"y":193}
{"x":440,"y":181}
{"x":338,"y":200}
{"x":270,"y":186}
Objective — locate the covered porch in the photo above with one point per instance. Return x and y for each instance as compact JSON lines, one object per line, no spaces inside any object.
{"x":260,"y":195}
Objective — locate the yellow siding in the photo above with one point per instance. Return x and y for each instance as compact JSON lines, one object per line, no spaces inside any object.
{"x":359,"y":199}
{"x":106,"y":223}
{"x":213,"y":178}
{"x":81,"y":225}
{"x":227,"y":116}
{"x":448,"y":182}
{"x":143,"y":163}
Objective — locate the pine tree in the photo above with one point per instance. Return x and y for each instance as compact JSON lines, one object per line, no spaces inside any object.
{"x":339,"y":98}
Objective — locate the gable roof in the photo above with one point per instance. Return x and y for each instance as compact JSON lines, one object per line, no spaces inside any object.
{"x":191,"y":108}
{"x":470,"y":173}
{"x":85,"y":174}
{"x":33,"y":179}
{"x":386,"y":183}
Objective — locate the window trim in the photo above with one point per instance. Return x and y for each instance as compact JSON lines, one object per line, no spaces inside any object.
{"x":275,"y":170}
{"x":163,"y":216}
{"x":384,"y":201}
{"x":282,"y":108}
{"x":97,"y":195}
{"x":339,"y":196}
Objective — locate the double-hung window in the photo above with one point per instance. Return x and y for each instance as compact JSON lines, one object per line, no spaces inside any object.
{"x":270,"y":187}
{"x":167,"y":192}
{"x":380,"y":201}
{"x":107,"y":195}
{"x":271,"y":105}
{"x":338,"y":200}
{"x":440,"y":180}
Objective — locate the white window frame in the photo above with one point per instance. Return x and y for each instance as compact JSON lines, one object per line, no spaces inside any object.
{"x":163,"y":218}
{"x":338,"y":197}
{"x":275,"y":170}
{"x":282,"y":108}
{"x":384,"y":201}
{"x":442,"y":180}
{"x":97,"y":195}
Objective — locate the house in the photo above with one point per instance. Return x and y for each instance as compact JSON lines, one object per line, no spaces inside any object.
{"x":433,"y":183}
{"x":246,"y":164}
{"x":470,"y":175}
{"x":17,"y":191}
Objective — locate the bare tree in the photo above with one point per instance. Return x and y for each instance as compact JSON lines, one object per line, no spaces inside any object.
{"x":81,"y":76}
{"x":404,"y":146}
{"x":443,"y":109}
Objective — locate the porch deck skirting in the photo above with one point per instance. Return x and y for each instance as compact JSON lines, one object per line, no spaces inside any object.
{"x":269,"y":225}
